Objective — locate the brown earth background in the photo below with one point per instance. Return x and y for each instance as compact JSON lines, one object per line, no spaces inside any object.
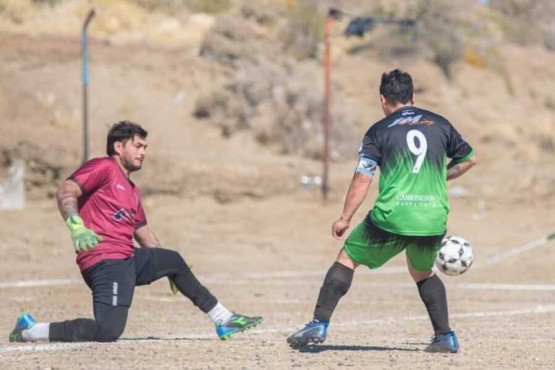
{"x":225,"y":190}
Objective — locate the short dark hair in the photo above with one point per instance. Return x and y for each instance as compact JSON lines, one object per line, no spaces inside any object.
{"x":397,"y":87}
{"x":123,"y":131}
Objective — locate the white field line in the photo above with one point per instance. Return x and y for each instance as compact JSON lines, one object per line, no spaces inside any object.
{"x":222,"y":278}
{"x":297,"y":273}
{"x":56,"y":347}
{"x":50,"y":347}
{"x":260,"y":276}
{"x":322,"y":273}
{"x":476,"y":286}
{"x":526,"y":311}
{"x":209,"y":279}
{"x":180,"y":298}
{"x":519,"y":250}
{"x":39,"y":283}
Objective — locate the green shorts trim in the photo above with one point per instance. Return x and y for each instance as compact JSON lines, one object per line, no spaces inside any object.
{"x":371,"y":246}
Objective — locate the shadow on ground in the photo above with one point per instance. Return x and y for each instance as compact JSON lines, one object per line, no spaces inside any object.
{"x":155,"y":339}
{"x":321,"y":348}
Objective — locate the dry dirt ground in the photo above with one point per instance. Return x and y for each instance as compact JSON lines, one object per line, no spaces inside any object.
{"x":268,"y":257}
{"x":235,"y":211}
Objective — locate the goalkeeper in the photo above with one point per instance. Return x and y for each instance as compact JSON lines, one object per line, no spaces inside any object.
{"x":104,"y":212}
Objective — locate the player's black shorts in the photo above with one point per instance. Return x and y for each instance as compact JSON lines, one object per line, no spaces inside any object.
{"x":113,"y":282}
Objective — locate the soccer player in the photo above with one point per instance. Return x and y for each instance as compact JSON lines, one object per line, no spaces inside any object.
{"x":410,"y":146}
{"x":104,"y":212}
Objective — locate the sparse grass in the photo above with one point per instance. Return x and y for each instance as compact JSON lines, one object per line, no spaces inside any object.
{"x":195,"y":6}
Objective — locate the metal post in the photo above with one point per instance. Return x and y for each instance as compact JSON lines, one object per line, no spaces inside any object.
{"x":85,"y":80}
{"x":326,"y":115}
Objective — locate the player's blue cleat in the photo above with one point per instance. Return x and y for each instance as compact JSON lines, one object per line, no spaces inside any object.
{"x":445,"y":343}
{"x":313,"y":332}
{"x":24,"y":322}
{"x":236,"y":324}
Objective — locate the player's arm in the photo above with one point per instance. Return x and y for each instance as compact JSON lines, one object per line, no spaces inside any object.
{"x":358,"y":189}
{"x":146,"y":237}
{"x":355,"y":195}
{"x":457,"y":168}
{"x":67,"y":197}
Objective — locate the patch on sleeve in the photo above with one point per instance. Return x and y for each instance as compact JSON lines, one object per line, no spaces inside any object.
{"x":366,"y":166}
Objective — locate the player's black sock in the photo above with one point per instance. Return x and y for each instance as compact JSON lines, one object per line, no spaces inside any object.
{"x":432,"y":292}
{"x":336,"y":283}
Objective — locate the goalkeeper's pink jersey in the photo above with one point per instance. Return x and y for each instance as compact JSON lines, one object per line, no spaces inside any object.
{"x":111,"y":206}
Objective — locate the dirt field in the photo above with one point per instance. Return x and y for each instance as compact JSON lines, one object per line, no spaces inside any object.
{"x":268,"y":257}
{"x":236,"y":211}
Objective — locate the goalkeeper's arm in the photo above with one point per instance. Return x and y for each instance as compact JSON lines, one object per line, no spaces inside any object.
{"x":82,"y":237}
{"x":67,"y":196}
{"x":146,"y":237}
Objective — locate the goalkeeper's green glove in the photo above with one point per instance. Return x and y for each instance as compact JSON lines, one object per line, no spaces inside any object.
{"x":173,"y":287}
{"x":82,"y":237}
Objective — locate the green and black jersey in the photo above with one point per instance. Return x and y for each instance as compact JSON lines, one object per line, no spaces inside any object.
{"x":412,"y":147}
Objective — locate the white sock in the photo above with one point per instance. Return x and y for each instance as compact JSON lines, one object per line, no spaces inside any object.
{"x":39,"y":331}
{"x":219,"y":314}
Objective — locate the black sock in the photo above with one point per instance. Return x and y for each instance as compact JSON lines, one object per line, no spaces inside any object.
{"x":336,"y":283}
{"x":432,"y":292}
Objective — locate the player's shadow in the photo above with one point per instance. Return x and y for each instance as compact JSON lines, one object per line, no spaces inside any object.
{"x":354,"y":348}
{"x":153,"y":339}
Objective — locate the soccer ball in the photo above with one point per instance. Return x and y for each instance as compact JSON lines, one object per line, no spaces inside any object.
{"x":455,"y":256}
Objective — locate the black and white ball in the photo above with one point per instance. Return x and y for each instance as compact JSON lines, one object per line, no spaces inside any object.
{"x":455,"y":256}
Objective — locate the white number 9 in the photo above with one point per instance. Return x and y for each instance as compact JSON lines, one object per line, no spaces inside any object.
{"x":418,"y":148}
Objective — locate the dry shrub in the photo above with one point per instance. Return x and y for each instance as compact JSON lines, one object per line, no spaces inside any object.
{"x":17,"y":11}
{"x":47,"y":2}
{"x":44,"y":168}
{"x":439,"y":32}
{"x":234,"y":38}
{"x":538,"y":11}
{"x":527,"y":22}
{"x":262,"y":29}
{"x":474,"y":58}
{"x":549,"y":39}
{"x":282,"y":106}
{"x":263,"y":12}
{"x":303,"y":31}
{"x":437,"y":35}
{"x":119,"y":17}
{"x":200,"y":6}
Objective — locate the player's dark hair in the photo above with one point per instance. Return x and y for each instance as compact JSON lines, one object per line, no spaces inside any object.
{"x":123,"y":131}
{"x":397,"y":87}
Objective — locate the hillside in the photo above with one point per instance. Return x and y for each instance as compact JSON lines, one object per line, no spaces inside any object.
{"x":146,"y":67}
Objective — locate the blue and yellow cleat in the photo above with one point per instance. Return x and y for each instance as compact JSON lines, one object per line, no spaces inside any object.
{"x":444,"y":343}
{"x":236,"y":324}
{"x":24,"y":322}
{"x":313,"y":332}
